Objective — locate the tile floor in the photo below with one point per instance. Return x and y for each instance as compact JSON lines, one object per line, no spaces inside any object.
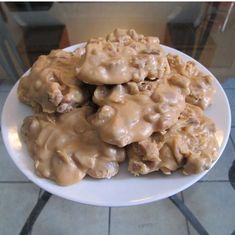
{"x":212,"y":200}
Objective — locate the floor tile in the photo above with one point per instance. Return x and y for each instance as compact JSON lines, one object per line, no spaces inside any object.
{"x":231,"y":97}
{"x":232,"y":133}
{"x":221,"y":168}
{"x":155,"y":218}
{"x":3,"y":96}
{"x":6,"y":85}
{"x":65,"y":217}
{"x":229,"y":83}
{"x":8,"y":170}
{"x":232,"y":167}
{"x":213,"y":204}
{"x":16,"y":203}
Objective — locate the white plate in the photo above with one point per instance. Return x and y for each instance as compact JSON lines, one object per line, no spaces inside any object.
{"x":123,"y":189}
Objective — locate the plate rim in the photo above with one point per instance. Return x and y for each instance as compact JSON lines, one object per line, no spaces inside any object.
{"x":40,"y":181}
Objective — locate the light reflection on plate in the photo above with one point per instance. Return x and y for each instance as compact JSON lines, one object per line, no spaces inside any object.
{"x":14,"y":139}
{"x":219,"y":136}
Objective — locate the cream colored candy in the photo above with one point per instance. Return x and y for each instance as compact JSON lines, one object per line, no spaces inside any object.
{"x":67,"y":147}
{"x":52,"y":84}
{"x":123,"y":56}
{"x":201,"y":87}
{"x":126,"y":117}
{"x":119,"y":93}
{"x":190,"y":144}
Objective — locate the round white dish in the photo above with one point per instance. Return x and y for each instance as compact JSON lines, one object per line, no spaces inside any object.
{"x":123,"y":189}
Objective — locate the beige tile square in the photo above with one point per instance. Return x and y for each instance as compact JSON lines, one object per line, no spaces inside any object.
{"x":155,"y":218}
{"x":16,"y":202}
{"x":213,"y":204}
{"x":61,"y":217}
{"x":232,"y":133}
{"x":221,"y":168}
{"x":3,"y":96}
{"x":231,"y":97}
{"x":229,"y":83}
{"x":8,"y":170}
{"x":6,"y":85}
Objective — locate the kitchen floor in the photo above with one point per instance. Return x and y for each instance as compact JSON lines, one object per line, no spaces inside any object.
{"x":212,"y":200}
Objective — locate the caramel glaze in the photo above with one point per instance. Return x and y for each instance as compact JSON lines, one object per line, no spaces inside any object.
{"x":190,"y":144}
{"x":140,"y":100}
{"x":132,"y":112}
{"x":66,"y":147}
{"x":201,"y":87}
{"x":52,"y":84}
{"x":123,"y":56}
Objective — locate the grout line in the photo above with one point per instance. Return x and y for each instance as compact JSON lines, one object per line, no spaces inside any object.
{"x":213,"y":181}
{"x":109,"y":221}
{"x":39,"y":195}
{"x":187,"y":225}
{"x":189,"y":215}
{"x":35,"y":213}
{"x":229,"y":88}
{"x":15,"y":182}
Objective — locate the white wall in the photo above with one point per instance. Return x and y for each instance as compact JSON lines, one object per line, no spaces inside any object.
{"x":85,"y":20}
